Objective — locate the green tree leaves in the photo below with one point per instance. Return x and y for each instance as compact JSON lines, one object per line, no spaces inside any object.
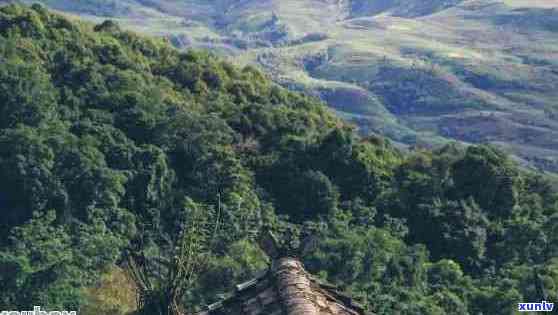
{"x":48,"y":264}
{"x":26,"y":95}
{"x":129,"y":141}
{"x":488,"y":176}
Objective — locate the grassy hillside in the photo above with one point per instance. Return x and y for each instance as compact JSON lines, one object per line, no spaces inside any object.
{"x":403,"y":8}
{"x":129,"y":167}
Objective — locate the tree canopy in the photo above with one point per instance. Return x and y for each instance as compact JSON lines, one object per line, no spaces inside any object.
{"x":107,"y":139}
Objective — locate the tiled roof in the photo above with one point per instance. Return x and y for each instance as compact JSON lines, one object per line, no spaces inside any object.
{"x":286,"y":288}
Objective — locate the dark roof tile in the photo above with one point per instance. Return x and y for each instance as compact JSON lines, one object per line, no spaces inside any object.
{"x":286,"y":288}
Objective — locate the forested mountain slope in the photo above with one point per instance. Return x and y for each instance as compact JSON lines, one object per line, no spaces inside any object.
{"x":418,"y":72}
{"x":111,"y":142}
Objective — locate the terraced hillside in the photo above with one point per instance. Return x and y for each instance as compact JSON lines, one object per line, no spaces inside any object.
{"x":419,"y":72}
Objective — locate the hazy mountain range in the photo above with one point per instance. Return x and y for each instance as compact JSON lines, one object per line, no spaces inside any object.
{"x":419,"y":72}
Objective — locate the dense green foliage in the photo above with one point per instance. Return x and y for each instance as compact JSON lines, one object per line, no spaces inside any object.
{"x":108,"y":141}
{"x":418,"y":72}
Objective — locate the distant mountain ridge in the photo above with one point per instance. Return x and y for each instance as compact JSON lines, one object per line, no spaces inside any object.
{"x":419,"y":72}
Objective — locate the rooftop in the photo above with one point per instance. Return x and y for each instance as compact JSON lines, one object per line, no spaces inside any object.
{"x":285,"y":288}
